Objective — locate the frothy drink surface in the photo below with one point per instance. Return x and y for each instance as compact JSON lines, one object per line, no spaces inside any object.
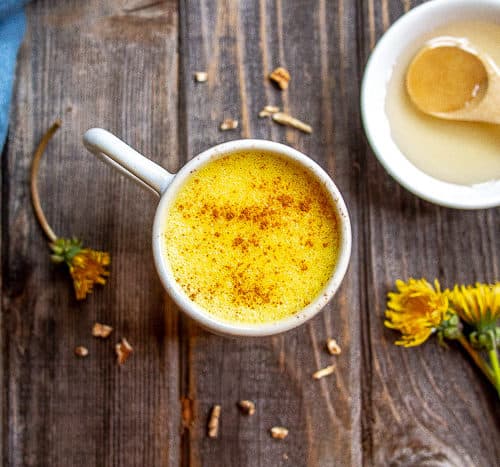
{"x":252,"y":237}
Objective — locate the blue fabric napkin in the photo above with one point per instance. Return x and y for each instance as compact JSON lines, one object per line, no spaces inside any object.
{"x":12,"y":27}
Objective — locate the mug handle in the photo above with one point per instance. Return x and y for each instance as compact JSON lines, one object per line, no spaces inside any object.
{"x":126,"y":160}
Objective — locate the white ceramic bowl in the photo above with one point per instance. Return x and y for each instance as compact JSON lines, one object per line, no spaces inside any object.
{"x":399,"y":38}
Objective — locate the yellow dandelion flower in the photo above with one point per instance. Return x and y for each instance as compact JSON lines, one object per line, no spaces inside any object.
{"x":87,"y":267}
{"x":416,"y":310}
{"x":477,"y":305}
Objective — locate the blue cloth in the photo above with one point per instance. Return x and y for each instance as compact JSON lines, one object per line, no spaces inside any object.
{"x":12,"y":27}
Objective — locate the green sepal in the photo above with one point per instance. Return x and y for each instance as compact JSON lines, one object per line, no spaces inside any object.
{"x":56,"y":258}
{"x":449,"y":329}
{"x":65,"y":249}
{"x":441,"y":342}
{"x":485,"y":339}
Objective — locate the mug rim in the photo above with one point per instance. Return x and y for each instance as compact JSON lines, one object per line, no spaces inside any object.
{"x":195,"y":311}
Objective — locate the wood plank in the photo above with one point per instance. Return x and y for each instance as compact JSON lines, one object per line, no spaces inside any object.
{"x":422,"y":406}
{"x":93,"y":64}
{"x":115,"y":64}
{"x":239,"y":43}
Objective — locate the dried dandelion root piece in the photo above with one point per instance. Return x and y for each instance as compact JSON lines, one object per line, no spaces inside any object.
{"x":201,"y":76}
{"x":213,"y":422}
{"x":123,"y":350}
{"x":281,"y":77}
{"x":324,"y":372}
{"x":333,"y":347}
{"x":229,"y":124}
{"x":101,"y":330}
{"x":268,"y":110}
{"x":247,"y":407}
{"x":279,"y":432}
{"x":81,"y":351}
{"x":285,"y":119}
{"x":272,"y":109}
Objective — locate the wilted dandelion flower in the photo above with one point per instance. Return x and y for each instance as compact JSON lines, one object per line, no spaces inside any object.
{"x":87,"y":267}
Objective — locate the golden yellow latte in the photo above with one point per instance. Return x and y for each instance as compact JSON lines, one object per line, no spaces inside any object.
{"x":252,"y":237}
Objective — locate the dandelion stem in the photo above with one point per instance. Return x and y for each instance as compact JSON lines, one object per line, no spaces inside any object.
{"x":35,"y":198}
{"x":494,"y":363}
{"x":483,"y":366}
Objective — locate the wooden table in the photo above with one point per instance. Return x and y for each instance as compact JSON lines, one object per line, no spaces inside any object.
{"x":130,"y":69}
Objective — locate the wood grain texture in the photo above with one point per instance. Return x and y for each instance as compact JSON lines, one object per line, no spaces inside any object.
{"x":91,"y":64}
{"x":128,"y":65}
{"x":239,"y":44}
{"x":423,"y":406}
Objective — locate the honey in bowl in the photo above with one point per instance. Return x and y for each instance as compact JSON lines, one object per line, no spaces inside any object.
{"x":465,"y":153}
{"x":252,"y":237}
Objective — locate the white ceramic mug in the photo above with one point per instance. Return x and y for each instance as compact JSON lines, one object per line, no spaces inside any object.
{"x":142,"y":170}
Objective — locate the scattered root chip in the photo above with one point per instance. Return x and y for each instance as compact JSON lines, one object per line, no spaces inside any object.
{"x":281,"y":77}
{"x":101,"y":330}
{"x":201,"y":76}
{"x":279,"y":432}
{"x":268,"y":110}
{"x":213,"y":422}
{"x":247,"y":407}
{"x":81,"y":351}
{"x":333,"y":347}
{"x":272,"y":109}
{"x":284,"y":119}
{"x":328,"y":370}
{"x":123,"y":350}
{"x":229,"y":124}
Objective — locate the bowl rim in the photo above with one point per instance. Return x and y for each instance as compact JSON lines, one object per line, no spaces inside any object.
{"x":478,"y":196}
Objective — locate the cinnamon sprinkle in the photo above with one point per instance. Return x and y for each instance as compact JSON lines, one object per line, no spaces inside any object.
{"x":245,"y":247}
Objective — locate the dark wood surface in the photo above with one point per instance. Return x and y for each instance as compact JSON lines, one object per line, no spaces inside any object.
{"x":130,"y":69}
